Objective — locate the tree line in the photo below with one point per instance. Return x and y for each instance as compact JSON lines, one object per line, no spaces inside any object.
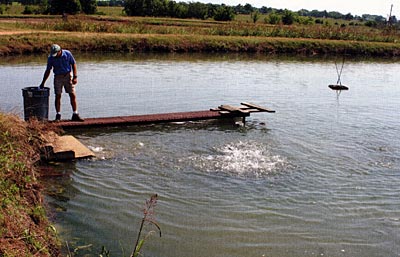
{"x":56,"y":6}
{"x":171,"y":8}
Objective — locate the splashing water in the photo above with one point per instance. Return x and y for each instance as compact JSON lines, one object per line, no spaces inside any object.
{"x":242,"y":159}
{"x":96,"y":149}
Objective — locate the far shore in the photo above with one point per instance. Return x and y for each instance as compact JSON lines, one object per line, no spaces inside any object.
{"x":25,"y":42}
{"x":34,"y":35}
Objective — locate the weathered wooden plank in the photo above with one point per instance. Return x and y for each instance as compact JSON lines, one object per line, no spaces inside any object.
{"x":233,"y":109}
{"x":215,"y":109}
{"x":222,"y":112}
{"x":257,"y":107}
{"x":250,"y":109}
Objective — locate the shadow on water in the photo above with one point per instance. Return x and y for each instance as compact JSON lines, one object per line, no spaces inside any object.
{"x":224,"y":125}
{"x":183,"y":57}
{"x":57,"y":182}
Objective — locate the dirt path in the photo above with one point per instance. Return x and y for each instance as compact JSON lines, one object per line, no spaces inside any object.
{"x":15,"y":32}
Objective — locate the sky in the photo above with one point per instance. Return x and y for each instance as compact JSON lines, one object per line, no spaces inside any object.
{"x":355,"y":7}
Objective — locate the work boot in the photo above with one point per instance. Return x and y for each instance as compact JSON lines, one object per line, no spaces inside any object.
{"x":75,"y":117}
{"x":58,"y":117}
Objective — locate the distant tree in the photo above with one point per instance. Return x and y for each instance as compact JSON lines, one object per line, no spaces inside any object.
{"x":179,"y":10}
{"x":255,"y":16}
{"x":65,"y":6}
{"x":335,"y":15}
{"x":319,"y":14}
{"x":303,"y":12}
{"x":348,"y":17}
{"x":44,"y":7}
{"x":224,"y":13}
{"x":305,"y":20}
{"x":273,"y":18}
{"x":319,"y":21}
{"x":28,"y":9}
{"x":239,"y":8}
{"x":265,"y":10}
{"x":211,"y":9}
{"x":379,"y":19}
{"x":159,"y":8}
{"x":371,"y":23}
{"x":197,"y":10}
{"x":110,"y":3}
{"x":146,"y":7}
{"x":244,"y":9}
{"x":248,"y":9}
{"x":116,"y":2}
{"x":89,"y":6}
{"x":288,"y":17}
{"x":134,"y":7}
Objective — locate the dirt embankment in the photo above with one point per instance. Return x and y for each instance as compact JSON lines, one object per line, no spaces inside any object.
{"x":24,"y":227}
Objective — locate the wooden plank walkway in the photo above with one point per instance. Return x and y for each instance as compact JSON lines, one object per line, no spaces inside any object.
{"x":222,"y":112}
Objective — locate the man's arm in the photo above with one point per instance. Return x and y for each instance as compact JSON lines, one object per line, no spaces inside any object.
{"x":45,"y":77}
{"x":75,"y":74}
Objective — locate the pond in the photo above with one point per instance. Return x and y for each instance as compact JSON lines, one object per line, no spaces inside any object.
{"x":320,"y":177}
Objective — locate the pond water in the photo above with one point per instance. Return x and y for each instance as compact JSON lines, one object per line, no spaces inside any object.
{"x":320,"y":177}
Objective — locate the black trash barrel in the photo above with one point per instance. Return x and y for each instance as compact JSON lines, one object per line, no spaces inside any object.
{"x":36,"y":103}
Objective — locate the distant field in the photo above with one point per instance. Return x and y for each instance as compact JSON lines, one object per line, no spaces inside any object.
{"x":111,"y":30}
{"x":115,"y":11}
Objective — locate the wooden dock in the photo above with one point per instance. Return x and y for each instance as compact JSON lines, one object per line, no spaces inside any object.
{"x":65,"y":148}
{"x":221,"y":112}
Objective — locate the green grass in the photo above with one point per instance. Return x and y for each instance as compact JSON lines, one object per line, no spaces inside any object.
{"x":110,"y":42}
{"x":167,"y":26}
{"x":111,"y":10}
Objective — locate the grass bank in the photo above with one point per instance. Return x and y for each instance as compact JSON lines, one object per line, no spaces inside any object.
{"x":24,"y":226}
{"x":34,"y":34}
{"x":38,"y":42}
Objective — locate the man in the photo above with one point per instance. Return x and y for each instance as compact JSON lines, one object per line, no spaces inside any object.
{"x":62,"y":62}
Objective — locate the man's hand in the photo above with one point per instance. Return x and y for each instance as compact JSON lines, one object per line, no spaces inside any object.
{"x":74,"y":80}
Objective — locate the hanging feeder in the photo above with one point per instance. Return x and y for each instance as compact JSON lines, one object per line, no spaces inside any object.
{"x":339,"y":85}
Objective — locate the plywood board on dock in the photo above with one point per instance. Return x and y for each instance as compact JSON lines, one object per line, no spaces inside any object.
{"x":233,"y":109}
{"x":64,"y":148}
{"x":255,"y":108}
{"x":69,"y":143}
